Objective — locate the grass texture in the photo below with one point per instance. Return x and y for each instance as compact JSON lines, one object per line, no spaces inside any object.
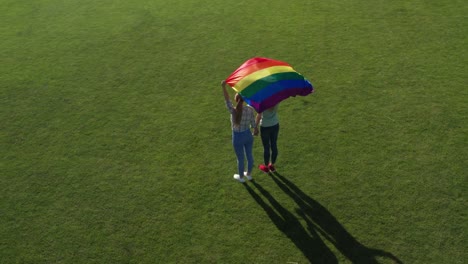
{"x":116,"y":145}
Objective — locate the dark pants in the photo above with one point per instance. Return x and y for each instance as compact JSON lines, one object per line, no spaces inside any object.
{"x":269,"y":138}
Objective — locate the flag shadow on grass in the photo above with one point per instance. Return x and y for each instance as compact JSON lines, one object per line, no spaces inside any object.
{"x":320,"y":220}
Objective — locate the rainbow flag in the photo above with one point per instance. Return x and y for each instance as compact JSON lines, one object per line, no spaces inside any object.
{"x":264,"y":82}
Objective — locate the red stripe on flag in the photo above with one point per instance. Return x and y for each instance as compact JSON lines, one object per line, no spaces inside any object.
{"x":252,"y":66}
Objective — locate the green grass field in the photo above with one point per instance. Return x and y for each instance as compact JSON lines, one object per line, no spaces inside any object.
{"x":116,"y":145}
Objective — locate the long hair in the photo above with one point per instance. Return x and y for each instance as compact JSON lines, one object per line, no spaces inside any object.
{"x":238,"y":114}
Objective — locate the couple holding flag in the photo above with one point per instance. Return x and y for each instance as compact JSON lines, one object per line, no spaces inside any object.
{"x":261,"y":83}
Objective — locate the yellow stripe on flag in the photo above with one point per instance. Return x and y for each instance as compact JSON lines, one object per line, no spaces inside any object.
{"x":249,"y":79}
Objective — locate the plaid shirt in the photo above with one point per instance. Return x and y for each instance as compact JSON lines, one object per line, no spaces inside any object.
{"x":247,"y":120}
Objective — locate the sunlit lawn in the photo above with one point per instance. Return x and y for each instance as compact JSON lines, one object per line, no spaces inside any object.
{"x":116,"y":148}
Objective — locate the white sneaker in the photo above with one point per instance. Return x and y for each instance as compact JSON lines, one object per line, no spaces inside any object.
{"x":249,"y":177}
{"x":237,"y":177}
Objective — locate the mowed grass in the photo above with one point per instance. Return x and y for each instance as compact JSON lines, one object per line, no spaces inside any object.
{"x":115,"y":141}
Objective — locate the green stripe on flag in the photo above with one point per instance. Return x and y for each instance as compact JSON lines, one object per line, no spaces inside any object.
{"x":259,"y":84}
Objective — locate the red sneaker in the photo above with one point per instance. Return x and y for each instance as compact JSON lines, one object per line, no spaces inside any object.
{"x":264,"y":168}
{"x":271,"y":167}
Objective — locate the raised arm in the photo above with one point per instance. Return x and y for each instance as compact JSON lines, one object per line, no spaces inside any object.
{"x":226,"y":95}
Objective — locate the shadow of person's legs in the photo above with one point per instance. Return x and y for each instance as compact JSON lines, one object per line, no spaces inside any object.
{"x":311,"y":245}
{"x":320,"y":219}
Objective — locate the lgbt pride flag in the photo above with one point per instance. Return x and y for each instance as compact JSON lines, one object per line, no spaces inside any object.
{"x":264,"y":82}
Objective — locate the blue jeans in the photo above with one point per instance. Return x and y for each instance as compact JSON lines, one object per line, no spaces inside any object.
{"x":243,"y":144}
{"x":269,"y":140}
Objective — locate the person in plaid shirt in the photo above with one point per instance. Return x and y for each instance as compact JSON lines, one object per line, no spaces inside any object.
{"x":242,"y":121}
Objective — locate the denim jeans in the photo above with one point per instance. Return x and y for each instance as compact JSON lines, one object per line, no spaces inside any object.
{"x":243,"y":144}
{"x":269,"y":140}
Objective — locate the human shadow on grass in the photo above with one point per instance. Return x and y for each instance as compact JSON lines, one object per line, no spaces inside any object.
{"x":320,"y":220}
{"x":311,"y":245}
